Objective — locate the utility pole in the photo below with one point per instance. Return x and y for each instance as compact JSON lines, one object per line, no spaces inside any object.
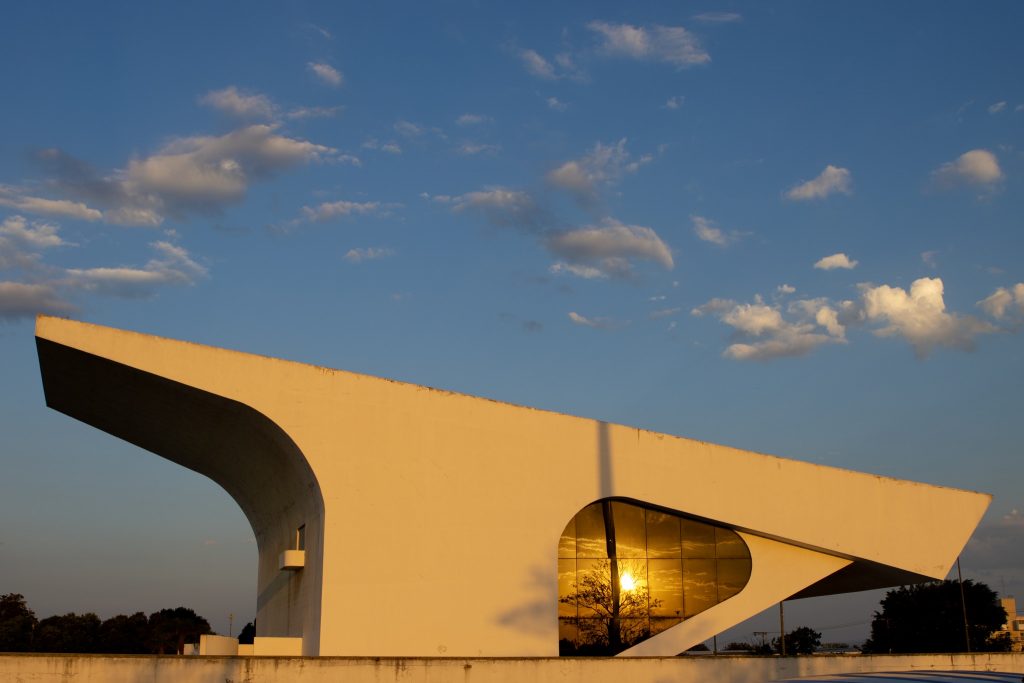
{"x":231,"y":623}
{"x":963,"y":605}
{"x":782,"y":629}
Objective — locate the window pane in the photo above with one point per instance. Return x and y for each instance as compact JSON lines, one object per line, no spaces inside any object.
{"x":593,"y":632}
{"x":590,"y":538}
{"x":662,"y":534}
{"x":666,"y":582}
{"x":698,"y":539}
{"x":567,"y":543}
{"x":633,"y":591}
{"x":594,"y":588}
{"x":568,"y":631}
{"x":699,"y":586}
{"x":567,"y":588}
{"x":730,"y":544}
{"x":630,"y":534}
{"x":732,"y":577}
{"x":632,"y":631}
{"x":659,"y":624}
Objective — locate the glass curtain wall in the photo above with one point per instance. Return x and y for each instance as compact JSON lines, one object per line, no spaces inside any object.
{"x":627,"y":572}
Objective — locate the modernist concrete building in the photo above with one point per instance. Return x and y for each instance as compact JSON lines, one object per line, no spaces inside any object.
{"x":399,"y":520}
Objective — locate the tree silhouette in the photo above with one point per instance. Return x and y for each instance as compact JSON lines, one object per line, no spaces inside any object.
{"x":929,"y":617}
{"x":799,"y":641}
{"x":247,"y":634}
{"x":67,"y":633}
{"x":170,"y":629}
{"x":17,"y":622}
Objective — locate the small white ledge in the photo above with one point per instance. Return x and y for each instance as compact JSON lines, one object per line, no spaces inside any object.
{"x":292,"y":559}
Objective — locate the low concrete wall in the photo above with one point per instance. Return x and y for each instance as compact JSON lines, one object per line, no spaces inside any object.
{"x":22,"y":668}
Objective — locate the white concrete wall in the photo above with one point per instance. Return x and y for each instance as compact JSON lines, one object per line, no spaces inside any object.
{"x":722,"y":669}
{"x":442,"y":512}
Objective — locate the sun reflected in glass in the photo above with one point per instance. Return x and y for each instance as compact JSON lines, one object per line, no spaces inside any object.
{"x":627,"y":582}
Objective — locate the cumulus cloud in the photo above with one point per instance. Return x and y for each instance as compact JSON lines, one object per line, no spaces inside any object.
{"x":920,"y":317}
{"x":358,"y":255}
{"x":785,"y":289}
{"x":668,"y":44}
{"x":604,"y":164}
{"x":20,"y":300}
{"x":205,"y":173}
{"x":706,"y":230}
{"x":830,"y":181}
{"x":328,"y":211}
{"x":408,"y":129}
{"x":389,"y":147}
{"x":501,"y":206}
{"x":674,"y":102}
{"x":596,"y":323}
{"x":608,"y":250}
{"x":326,"y":73}
{"x":765,"y":333}
{"x":35,"y":234}
{"x":978,"y":167}
{"x":834,"y":261}
{"x":240,"y":104}
{"x":1003,"y":301}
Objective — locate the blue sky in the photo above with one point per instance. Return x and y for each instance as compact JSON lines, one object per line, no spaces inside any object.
{"x":793,"y":228}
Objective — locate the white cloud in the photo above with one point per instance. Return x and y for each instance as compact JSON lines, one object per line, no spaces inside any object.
{"x":205,"y":173}
{"x":920,"y":316}
{"x":20,"y":300}
{"x":240,"y":104}
{"x":669,"y":44}
{"x":976,"y":167}
{"x":706,"y":230}
{"x":314,"y":112}
{"x":596,"y":323}
{"x":996,"y":107}
{"x":172,"y":266}
{"x":610,"y":248}
{"x":664,"y":313}
{"x":785,"y":289}
{"x":537,"y":65}
{"x":408,"y":129}
{"x":389,"y":147}
{"x":585,"y":272}
{"x":830,"y":181}
{"x":340,"y":209}
{"x":472,"y":119}
{"x":604,"y":164}
{"x":767,"y":334}
{"x":36,"y":235}
{"x":358,"y":255}
{"x":1000,"y":301}
{"x":674,"y":102}
{"x":61,"y":208}
{"x":473,"y":148}
{"x":834,"y":261}
{"x":718,"y":17}
{"x":501,"y":206}
{"x":556,"y":104}
{"x":326,"y":73}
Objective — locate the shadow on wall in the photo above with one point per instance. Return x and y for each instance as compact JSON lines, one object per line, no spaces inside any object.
{"x":536,"y":616}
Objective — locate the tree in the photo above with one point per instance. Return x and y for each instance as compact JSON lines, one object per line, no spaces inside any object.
{"x":124,"y":635}
{"x":17,"y":622}
{"x":929,"y":617}
{"x":248,"y":634}
{"x":67,"y":633}
{"x":170,"y":629}
{"x":800,"y":641}
{"x":736,"y":646}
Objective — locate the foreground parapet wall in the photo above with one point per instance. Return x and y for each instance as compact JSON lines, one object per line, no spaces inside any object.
{"x":720,"y":669}
{"x":430,"y":521}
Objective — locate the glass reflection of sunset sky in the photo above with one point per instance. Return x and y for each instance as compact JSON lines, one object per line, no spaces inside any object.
{"x":678,"y":567}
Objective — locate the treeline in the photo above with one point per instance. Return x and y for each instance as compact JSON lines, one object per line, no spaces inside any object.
{"x":162,"y":632}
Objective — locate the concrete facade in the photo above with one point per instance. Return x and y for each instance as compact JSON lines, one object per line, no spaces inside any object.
{"x":721,"y":669}
{"x":431,"y":519}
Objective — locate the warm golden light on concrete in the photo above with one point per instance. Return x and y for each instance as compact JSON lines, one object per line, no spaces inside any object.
{"x":387,"y":486}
